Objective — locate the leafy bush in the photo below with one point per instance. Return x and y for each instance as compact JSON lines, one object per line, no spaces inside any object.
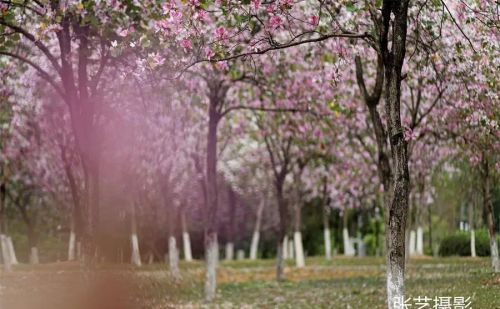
{"x":459,"y":244}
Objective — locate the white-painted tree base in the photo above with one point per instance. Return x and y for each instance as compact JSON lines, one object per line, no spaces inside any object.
{"x":473,"y":243}
{"x":5,"y":253}
{"x":34,"y":256}
{"x":291,"y":249}
{"x":211,"y":257}
{"x":395,"y":287}
{"x":495,"y":261}
{"x":72,"y":246}
{"x":285,"y":248}
{"x":186,"y":245}
{"x":255,"y":245}
{"x":412,"y":243}
{"x":173,"y":257}
{"x":240,"y":255}
{"x":229,"y":251}
{"x":13,"y":257}
{"x":420,"y":241}
{"x":299,"y":250}
{"x":328,"y":245}
{"x":136,"y":255}
{"x":348,"y":247}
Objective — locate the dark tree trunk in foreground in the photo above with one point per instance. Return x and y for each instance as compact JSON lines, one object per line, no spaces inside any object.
{"x":394,"y":174}
{"x":396,"y":202}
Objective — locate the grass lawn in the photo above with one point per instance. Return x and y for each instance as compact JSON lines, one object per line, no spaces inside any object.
{"x":341,"y":283}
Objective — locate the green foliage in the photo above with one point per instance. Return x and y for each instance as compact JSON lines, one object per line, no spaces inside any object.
{"x":459,"y":244}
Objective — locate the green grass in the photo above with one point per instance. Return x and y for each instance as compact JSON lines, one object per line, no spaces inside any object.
{"x":340,"y":283}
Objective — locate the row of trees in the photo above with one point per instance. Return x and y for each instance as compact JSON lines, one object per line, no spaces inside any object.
{"x":164,"y":111}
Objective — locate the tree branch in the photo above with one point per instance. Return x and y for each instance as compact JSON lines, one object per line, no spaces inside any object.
{"x":42,"y":72}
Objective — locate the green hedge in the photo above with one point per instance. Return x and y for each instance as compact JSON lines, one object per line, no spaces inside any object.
{"x":459,"y":244}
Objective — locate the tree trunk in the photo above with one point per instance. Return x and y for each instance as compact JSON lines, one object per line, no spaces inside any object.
{"x":394,"y":20}
{"x":134,"y":240}
{"x":211,"y":245}
{"x":7,"y":264}
{"x":286,"y":255}
{"x":283,"y":216}
{"x":231,"y":228}
{"x":212,"y":258}
{"x":297,"y":238}
{"x":186,"y":241}
{"x":348,"y":249}
{"x":413,"y":242}
{"x":173,"y":252}
{"x":33,"y":242}
{"x":472,"y":232}
{"x":488,"y":206}
{"x":173,"y":257}
{"x":72,"y":245}
{"x":420,"y":241}
{"x":256,"y":232}
{"x":280,"y":260}
{"x":76,"y":214}
{"x":13,"y":257}
{"x":429,"y":219}
{"x":473,"y":243}
{"x":34,"y":256}
{"x":229,"y":251}
{"x":91,"y":218}
{"x":326,"y":232}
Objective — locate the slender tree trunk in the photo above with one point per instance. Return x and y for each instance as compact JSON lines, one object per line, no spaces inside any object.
{"x":91,"y":219}
{"x":394,"y":22}
{"x":420,"y":241}
{"x":72,"y":242}
{"x":211,"y":242}
{"x":186,"y":240}
{"x":297,"y":238}
{"x":429,"y":219}
{"x":7,"y":264}
{"x":326,"y":222}
{"x":286,"y":255}
{"x":281,"y":240}
{"x":212,"y":258}
{"x":134,"y":239}
{"x":280,"y":261}
{"x":13,"y":257}
{"x":173,"y":251}
{"x":76,"y":221}
{"x":231,"y":228}
{"x":33,"y":242}
{"x":413,"y":242}
{"x":348,"y":249}
{"x":173,"y":257}
{"x":254,"y":247}
{"x":34,"y":256}
{"x":488,"y":206}
{"x":472,"y":232}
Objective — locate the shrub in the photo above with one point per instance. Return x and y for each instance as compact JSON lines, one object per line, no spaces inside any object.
{"x":459,"y":244}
